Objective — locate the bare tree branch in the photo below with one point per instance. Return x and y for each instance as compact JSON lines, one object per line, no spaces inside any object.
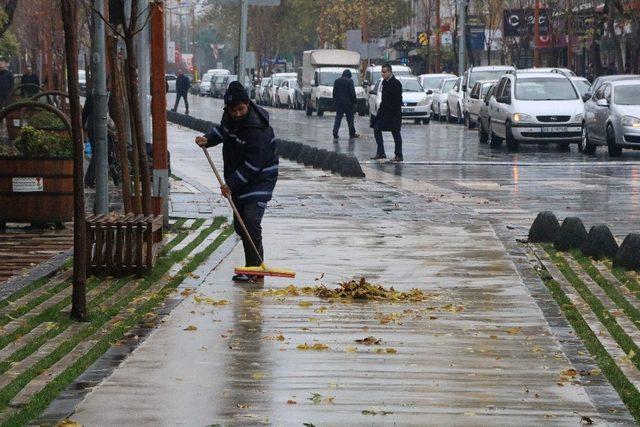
{"x":9,"y":9}
{"x":106,"y":21}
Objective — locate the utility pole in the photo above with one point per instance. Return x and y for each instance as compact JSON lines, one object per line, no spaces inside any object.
{"x":536,"y":35}
{"x":244,"y":12}
{"x":193,"y":43}
{"x":438,"y":31}
{"x":461,"y":37}
{"x":99,"y":119}
{"x":159,"y":108}
{"x":570,"y":35}
{"x":144,"y":71}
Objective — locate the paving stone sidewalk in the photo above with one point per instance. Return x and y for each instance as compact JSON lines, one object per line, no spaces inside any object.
{"x":478,"y":352}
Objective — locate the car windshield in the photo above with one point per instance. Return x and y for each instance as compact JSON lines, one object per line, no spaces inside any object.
{"x":327,"y":78}
{"x":484,"y":75}
{"x":432,"y":82}
{"x":264,"y":82}
{"x":485,"y":89}
{"x":411,"y":85}
{"x":627,"y":95}
{"x":448,"y":85}
{"x":277,"y":80}
{"x":583,"y":86}
{"x":293,"y":84}
{"x":544,"y":89}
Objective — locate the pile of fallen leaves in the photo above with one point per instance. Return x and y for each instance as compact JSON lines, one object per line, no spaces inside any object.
{"x":363,"y":290}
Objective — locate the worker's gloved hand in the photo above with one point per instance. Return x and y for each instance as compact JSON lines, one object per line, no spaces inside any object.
{"x":201,"y":141}
{"x":226,"y":191}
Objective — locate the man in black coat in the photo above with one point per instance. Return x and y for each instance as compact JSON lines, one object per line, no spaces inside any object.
{"x":344,"y":99}
{"x":6,"y":82}
{"x":29,"y":78}
{"x":182,"y":90}
{"x":389,"y":117}
{"x":250,"y":166}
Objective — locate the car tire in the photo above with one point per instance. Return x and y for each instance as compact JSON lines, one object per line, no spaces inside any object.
{"x":496,"y":141}
{"x":512,"y":143}
{"x":319,"y":111}
{"x":614,"y":149}
{"x":308,"y":110}
{"x":425,"y":121}
{"x":483,"y":137}
{"x":449,"y":118}
{"x":469,"y":123}
{"x":587,"y":146}
{"x":460,"y":118}
{"x":417,"y":121}
{"x":564,"y":147}
{"x":362,"y":113}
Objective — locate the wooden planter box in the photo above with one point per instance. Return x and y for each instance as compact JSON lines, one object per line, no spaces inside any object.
{"x":36,"y":189}
{"x":122,"y":245}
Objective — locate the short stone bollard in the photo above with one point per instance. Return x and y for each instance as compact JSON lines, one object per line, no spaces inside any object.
{"x":321,"y":157}
{"x":336,"y":167}
{"x":351,"y":168}
{"x":329,"y":161}
{"x":295,"y":151}
{"x":600,"y":243}
{"x":544,"y":227}
{"x":628,"y":255}
{"x":571,"y":234}
{"x":310,"y":157}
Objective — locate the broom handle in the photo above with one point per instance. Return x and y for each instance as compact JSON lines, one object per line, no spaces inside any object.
{"x":233,"y":206}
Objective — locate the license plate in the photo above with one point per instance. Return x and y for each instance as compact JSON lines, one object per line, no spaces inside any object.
{"x":555,"y":129}
{"x":407,"y":109}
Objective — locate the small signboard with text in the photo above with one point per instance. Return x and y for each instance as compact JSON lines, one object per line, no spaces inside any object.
{"x":22,"y":184}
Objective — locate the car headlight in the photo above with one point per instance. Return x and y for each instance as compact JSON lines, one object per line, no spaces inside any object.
{"x":631,"y":121}
{"x":522,"y":117}
{"x":578,"y":117}
{"x":424,"y":101}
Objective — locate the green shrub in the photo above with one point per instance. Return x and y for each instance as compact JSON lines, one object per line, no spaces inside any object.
{"x":46,"y":120}
{"x":39,"y":143}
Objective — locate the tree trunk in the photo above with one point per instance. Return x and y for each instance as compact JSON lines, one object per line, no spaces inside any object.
{"x":79,"y":293}
{"x":614,"y":38}
{"x":135,"y":162}
{"x":136,"y":121}
{"x":118,"y":115}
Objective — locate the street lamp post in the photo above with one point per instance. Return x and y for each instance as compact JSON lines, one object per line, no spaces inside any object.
{"x":461,"y":37}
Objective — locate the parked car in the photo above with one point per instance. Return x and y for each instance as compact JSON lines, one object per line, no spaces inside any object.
{"x":535,"y":107}
{"x":484,"y":116}
{"x":216,"y":85}
{"x":261,"y":90}
{"x":171,"y":82}
{"x":476,"y":101}
{"x":612,"y":117}
{"x":287,"y":96}
{"x":488,"y":72}
{"x":276,"y":80}
{"x":414,"y":100}
{"x":439,"y":104}
{"x":205,"y":85}
{"x":431,"y":82}
{"x":455,"y":103}
{"x":599,"y":81}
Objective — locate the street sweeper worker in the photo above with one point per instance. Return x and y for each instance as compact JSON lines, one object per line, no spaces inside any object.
{"x":250,"y":166}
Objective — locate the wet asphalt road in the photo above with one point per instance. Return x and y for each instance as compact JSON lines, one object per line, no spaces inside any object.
{"x":518,"y":185}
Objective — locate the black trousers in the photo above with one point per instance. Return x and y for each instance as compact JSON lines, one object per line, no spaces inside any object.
{"x":186,"y":102}
{"x":251,"y":214}
{"x":343,"y":110}
{"x":397,"y":139}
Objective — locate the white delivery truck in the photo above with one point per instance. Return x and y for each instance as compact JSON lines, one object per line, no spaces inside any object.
{"x":320,"y":69}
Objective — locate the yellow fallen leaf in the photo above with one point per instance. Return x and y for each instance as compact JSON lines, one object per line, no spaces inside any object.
{"x":68,"y":423}
{"x":514,"y":331}
{"x":392,"y":350}
{"x":320,"y":310}
{"x":316,"y":346}
{"x":257,"y":375}
{"x":291,"y":402}
{"x":305,"y":304}
{"x":191,"y":328}
{"x":351,"y":349}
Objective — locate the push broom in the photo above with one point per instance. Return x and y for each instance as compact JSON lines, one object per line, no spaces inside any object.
{"x":261,"y":270}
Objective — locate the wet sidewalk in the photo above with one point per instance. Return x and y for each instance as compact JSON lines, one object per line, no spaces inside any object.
{"x":478,"y":351}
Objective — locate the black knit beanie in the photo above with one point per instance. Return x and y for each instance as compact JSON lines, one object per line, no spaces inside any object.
{"x":235,"y":93}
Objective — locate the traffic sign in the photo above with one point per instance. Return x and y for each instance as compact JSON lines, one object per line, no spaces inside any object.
{"x":423,"y":38}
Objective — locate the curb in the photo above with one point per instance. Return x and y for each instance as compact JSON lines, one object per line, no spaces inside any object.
{"x":318,"y":158}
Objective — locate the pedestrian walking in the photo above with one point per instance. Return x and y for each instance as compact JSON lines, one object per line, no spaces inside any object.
{"x":250,"y":166}
{"x":389,"y":117}
{"x":32,"y":80}
{"x":344,"y":99}
{"x":182,"y":90}
{"x":6,"y":83}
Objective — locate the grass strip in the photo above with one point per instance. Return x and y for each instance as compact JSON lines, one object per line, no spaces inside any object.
{"x":628,"y":393}
{"x":611,"y":291}
{"x":43,"y":398}
{"x":624,"y":278}
{"x":624,"y":341}
{"x":197,"y":223}
{"x":178,"y":225}
{"x":175,"y":177}
{"x":36,"y":284}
